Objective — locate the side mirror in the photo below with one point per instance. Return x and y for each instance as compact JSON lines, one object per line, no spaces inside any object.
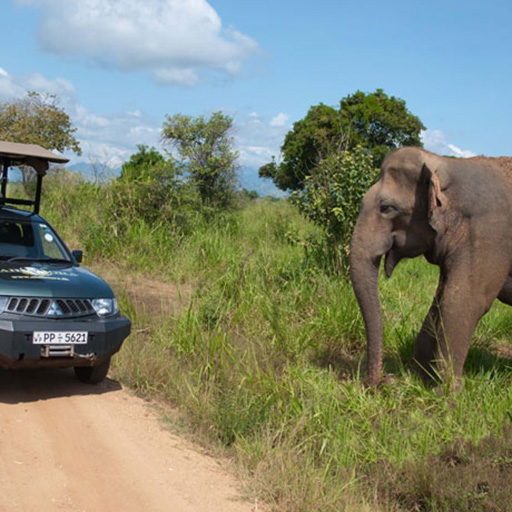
{"x":78,"y":254}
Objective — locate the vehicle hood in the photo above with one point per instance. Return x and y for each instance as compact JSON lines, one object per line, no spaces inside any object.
{"x":51,"y":280}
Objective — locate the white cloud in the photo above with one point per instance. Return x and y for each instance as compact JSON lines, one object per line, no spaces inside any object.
{"x":258,"y":138}
{"x":179,"y":41}
{"x":435,"y":141}
{"x":467,"y":153}
{"x":8,"y":87}
{"x":112,"y":138}
{"x":279,"y":120}
{"x":17,"y":86}
{"x":108,"y":139}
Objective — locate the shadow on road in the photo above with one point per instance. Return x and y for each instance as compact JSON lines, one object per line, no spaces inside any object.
{"x":25,"y":386}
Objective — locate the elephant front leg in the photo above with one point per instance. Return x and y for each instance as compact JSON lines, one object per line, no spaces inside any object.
{"x":426,"y":349}
{"x":426,"y":352}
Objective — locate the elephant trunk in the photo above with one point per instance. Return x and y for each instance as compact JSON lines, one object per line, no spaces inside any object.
{"x":368,"y":246}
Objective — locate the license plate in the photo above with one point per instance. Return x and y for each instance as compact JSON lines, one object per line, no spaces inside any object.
{"x":59,"y":338}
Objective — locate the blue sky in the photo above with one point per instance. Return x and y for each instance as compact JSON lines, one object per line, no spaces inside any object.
{"x":119,"y":66}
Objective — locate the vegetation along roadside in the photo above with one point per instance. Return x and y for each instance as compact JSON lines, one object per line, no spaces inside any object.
{"x":261,"y":348}
{"x":263,"y":360}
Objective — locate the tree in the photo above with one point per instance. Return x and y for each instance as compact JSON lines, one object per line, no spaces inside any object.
{"x":376,"y":122}
{"x":141,"y":164}
{"x":207,"y":155}
{"x":380,"y":123}
{"x":311,"y":139}
{"x":151,"y":189}
{"x":37,"y":119}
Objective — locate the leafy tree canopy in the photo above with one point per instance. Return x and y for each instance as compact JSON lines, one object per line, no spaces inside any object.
{"x":150,"y":188}
{"x":37,"y":119}
{"x":379,"y":123}
{"x":205,"y":147}
{"x":311,"y":139}
{"x":141,"y":164}
{"x":375,"y":121}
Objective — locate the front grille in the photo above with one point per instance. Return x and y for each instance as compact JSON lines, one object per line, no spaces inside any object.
{"x":50,"y":308}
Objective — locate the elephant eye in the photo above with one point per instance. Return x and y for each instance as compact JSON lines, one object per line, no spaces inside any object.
{"x":388,"y":209}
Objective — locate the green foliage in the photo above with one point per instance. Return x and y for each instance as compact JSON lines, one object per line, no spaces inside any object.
{"x":463,"y":477}
{"x":141,"y":164}
{"x":152,"y":190}
{"x":207,"y":155}
{"x":329,"y":161}
{"x":375,"y":121}
{"x":261,"y":356}
{"x":331,"y":198}
{"x":311,"y":140}
{"x":265,"y":358}
{"x":243,"y":196}
{"x":379,"y":123}
{"x":37,"y":119}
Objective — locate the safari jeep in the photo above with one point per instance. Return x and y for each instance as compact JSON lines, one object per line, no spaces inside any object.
{"x":53,"y":311}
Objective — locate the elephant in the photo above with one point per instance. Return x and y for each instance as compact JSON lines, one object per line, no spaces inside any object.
{"x":457,"y":213}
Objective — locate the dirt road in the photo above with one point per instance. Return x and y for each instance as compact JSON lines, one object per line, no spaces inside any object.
{"x":67,"y":446}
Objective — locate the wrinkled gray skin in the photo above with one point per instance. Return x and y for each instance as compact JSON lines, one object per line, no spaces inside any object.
{"x":458,"y":214}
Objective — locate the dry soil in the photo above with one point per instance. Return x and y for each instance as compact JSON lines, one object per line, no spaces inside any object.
{"x":73,"y":447}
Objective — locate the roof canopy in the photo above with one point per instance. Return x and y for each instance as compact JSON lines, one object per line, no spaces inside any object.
{"x":29,"y":154}
{"x":12,"y":153}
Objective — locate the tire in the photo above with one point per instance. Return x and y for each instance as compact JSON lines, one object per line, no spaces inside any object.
{"x":93,"y":374}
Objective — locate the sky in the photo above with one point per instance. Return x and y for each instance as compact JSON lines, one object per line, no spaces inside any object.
{"x":118,"y":67}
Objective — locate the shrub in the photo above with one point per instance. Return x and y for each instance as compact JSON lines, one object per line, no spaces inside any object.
{"x":152,"y":190}
{"x":331,"y":199}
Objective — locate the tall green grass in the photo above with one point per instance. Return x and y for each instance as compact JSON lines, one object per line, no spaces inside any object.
{"x":265,"y":361}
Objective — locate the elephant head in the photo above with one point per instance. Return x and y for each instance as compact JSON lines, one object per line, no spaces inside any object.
{"x":401,"y":216}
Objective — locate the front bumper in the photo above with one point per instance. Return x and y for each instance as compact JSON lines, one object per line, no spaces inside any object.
{"x":17,"y":350}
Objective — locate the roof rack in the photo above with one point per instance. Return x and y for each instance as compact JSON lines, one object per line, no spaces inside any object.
{"x":32,"y":155}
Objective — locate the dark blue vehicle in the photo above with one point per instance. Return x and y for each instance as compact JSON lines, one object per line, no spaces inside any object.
{"x":53,"y":311}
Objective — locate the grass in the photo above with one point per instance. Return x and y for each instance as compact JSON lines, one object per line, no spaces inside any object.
{"x":265,"y":360}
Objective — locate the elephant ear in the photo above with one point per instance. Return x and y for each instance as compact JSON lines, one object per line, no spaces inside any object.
{"x":437,"y":199}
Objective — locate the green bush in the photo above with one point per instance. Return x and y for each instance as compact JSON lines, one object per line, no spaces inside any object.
{"x":151,"y":189}
{"x":331,"y":198}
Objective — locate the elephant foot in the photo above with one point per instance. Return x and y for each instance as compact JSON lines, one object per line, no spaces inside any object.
{"x":386,"y":380}
{"x":428,"y":372}
{"x":448,"y":388}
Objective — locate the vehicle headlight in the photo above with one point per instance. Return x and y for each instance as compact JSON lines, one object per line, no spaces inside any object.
{"x":3,"y":303}
{"x":105,"y":307}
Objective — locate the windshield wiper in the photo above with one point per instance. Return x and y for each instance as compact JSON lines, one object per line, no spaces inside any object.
{"x":17,"y":258}
{"x":44,"y":260}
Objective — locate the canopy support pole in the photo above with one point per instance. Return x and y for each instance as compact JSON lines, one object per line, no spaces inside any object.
{"x":5,"y":171}
{"x":37,"y":200}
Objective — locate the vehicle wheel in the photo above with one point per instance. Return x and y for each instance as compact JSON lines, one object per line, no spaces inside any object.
{"x":93,"y":374}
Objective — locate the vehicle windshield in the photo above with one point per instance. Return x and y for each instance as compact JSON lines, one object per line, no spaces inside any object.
{"x":35,"y":241}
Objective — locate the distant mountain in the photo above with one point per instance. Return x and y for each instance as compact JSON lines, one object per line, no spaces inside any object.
{"x":91,"y":171}
{"x":248,"y":178}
